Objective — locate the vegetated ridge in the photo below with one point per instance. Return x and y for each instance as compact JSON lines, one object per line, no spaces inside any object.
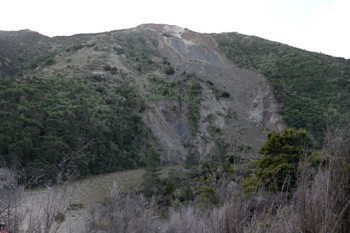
{"x":94,"y":103}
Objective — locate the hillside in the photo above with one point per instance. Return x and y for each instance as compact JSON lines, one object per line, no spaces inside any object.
{"x":95,"y":103}
{"x":313,"y":89}
{"x":21,"y":50}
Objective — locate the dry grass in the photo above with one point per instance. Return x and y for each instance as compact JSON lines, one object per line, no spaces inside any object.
{"x":45,"y":216}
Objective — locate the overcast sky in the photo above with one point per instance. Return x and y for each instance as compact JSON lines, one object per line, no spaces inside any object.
{"x":314,"y":25}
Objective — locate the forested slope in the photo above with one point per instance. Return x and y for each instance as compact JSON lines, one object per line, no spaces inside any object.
{"x":57,"y":128}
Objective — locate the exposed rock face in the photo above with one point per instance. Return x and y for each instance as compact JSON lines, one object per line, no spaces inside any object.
{"x":236,"y":106}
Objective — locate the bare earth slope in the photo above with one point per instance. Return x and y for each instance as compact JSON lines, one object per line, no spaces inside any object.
{"x":239,"y":118}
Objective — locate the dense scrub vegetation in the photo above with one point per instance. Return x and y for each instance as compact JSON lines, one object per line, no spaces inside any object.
{"x":55,"y":127}
{"x":313,"y":89}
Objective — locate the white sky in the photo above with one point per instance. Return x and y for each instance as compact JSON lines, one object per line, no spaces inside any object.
{"x":314,"y":25}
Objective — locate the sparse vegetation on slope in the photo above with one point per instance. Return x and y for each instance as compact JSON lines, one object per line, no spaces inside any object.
{"x":192,"y":96}
{"x":312,"y":89}
{"x":137,"y":48}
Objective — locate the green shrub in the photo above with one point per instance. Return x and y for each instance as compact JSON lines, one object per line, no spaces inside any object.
{"x":50,"y":62}
{"x":170,"y":70}
{"x":208,"y":198}
{"x":114,"y":70}
{"x":209,"y":166}
{"x":166,"y":62}
{"x":191,"y":161}
{"x":186,"y":194}
{"x":151,"y":180}
{"x":169,"y":188}
{"x":59,"y":217}
{"x":107,"y":68}
{"x":119,"y":51}
{"x":227,"y":167}
{"x":77,"y":47}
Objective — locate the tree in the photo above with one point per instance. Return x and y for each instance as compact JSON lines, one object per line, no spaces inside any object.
{"x":151,"y":178}
{"x":283,"y":151}
{"x":191,"y":160}
{"x":277,"y":170}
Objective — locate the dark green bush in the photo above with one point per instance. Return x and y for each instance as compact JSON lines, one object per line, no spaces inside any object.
{"x":191,"y":160}
{"x":208,"y":198}
{"x":50,"y":62}
{"x":170,"y":70}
